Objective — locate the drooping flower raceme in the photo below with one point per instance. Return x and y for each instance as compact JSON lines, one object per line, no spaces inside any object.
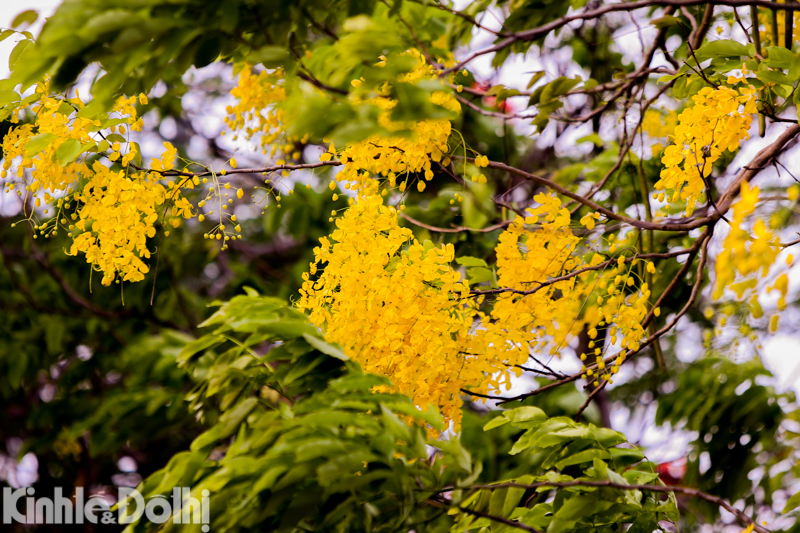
{"x":109,"y":212}
{"x":395,"y":305}
{"x":719,"y":120}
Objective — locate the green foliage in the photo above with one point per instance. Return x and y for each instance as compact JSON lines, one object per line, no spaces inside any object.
{"x":564,"y":452}
{"x":303,"y":439}
{"x":734,"y":416}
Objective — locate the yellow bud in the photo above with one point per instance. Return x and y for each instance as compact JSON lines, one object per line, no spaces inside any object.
{"x":773,"y":324}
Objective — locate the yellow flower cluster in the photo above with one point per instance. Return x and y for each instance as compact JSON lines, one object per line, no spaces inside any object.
{"x":546,"y":318}
{"x":121,"y":212}
{"x":399,"y":309}
{"x":256,"y":112}
{"x":658,"y":126}
{"x":392,"y":157}
{"x":748,"y":255}
{"x":395,"y":305}
{"x":58,"y":134}
{"x":719,"y":120}
{"x":108,"y":213}
{"x":526,"y":259}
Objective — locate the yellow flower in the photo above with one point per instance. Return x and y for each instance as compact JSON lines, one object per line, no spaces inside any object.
{"x":719,"y":120}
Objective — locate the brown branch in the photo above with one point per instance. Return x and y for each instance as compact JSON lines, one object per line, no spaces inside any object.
{"x":696,"y":39}
{"x":318,"y":84}
{"x":692,"y":297}
{"x":488,"y":113}
{"x":641,"y":224}
{"x":479,"y":395}
{"x":275,"y":168}
{"x":599,"y":185}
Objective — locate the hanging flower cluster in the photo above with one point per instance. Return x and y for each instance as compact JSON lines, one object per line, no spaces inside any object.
{"x":748,"y":254}
{"x":399,"y":309}
{"x":719,"y":120}
{"x":395,"y":305}
{"x":78,"y":172}
{"x":659,"y":126}
{"x":525,"y":260}
{"x":528,"y":261}
{"x":256,"y":112}
{"x":396,"y":157}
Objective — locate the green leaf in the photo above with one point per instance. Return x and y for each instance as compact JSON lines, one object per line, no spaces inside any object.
{"x":582,"y":457}
{"x":7,"y":96}
{"x":792,"y":503}
{"x":644,"y":523}
{"x":494,"y":89}
{"x":679,"y":88}
{"x":108,"y":21}
{"x":496,"y":422}
{"x":536,"y":77}
{"x":592,"y":138}
{"x":525,"y":414}
{"x":550,"y":91}
{"x":137,"y":159}
{"x":325,"y":347}
{"x":17,"y":51}
{"x":479,"y":275}
{"x":664,"y":22}
{"x":471,"y":261}
{"x":5,"y":34}
{"x":68,"y":151}
{"x":773,"y":76}
{"x":582,"y":506}
{"x":199,"y":345}
{"x":115,"y":138}
{"x":208,"y":51}
{"x":39,"y":143}
{"x":721,"y":48}
{"x":228,"y":424}
{"x":779,"y":57}
{"x":26,"y":17}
